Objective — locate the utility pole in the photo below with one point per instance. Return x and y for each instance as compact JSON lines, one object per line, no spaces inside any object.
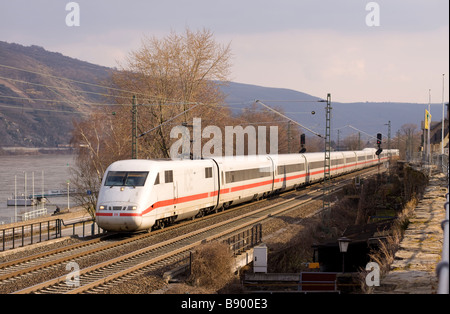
{"x":134,"y":130}
{"x":327,"y":163}
{"x":289,"y":136}
{"x":389,"y":148}
{"x":389,"y":138}
{"x":338,"y":142}
{"x":389,"y":134}
{"x":443,"y":118}
{"x":359,"y":140}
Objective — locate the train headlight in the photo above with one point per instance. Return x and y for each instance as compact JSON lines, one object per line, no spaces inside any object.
{"x":102,"y":207}
{"x":132,"y":207}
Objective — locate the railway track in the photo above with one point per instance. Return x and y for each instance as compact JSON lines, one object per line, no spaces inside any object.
{"x":102,"y":273}
{"x":92,"y":278}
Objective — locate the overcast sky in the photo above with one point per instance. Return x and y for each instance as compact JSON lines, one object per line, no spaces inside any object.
{"x":313,"y":46}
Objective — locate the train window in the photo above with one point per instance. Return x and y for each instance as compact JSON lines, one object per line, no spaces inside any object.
{"x":208,"y":172}
{"x":157,"y":179}
{"x":316,"y":164}
{"x":126,"y":178}
{"x":168,"y":176}
{"x":335,"y":162}
{"x":290,"y":168}
{"x":247,"y":174}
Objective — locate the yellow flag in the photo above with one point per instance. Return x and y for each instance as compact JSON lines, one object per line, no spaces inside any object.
{"x":427,"y":119}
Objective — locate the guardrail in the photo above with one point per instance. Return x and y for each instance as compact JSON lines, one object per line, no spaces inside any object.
{"x":27,"y":234}
{"x":245,"y":240}
{"x":34,"y":214}
{"x":30,"y":233}
{"x":83,"y":224}
{"x":439,"y":160}
{"x":442,"y":268}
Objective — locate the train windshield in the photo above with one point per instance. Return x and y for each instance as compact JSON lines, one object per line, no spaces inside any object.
{"x":126,"y":178}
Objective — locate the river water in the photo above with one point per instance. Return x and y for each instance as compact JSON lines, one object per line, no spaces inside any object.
{"x":55,"y":170}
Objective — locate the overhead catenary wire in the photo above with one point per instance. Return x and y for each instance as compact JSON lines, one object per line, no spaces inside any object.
{"x":43,"y":110}
{"x":142,"y":95}
{"x":293,"y":100}
{"x":286,"y":117}
{"x":54,"y":88}
{"x":356,"y":129}
{"x":78,"y":82}
{"x":167,"y":121}
{"x":58,"y":87}
{"x":168,"y":103}
{"x":90,"y":103}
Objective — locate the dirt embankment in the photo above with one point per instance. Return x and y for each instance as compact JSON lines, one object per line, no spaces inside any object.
{"x":291,"y":236}
{"x":390,"y":194}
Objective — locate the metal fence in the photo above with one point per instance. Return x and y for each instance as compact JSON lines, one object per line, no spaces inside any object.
{"x":27,"y":234}
{"x":439,"y":160}
{"x":34,"y":214}
{"x":245,"y":240}
{"x":442,"y":268}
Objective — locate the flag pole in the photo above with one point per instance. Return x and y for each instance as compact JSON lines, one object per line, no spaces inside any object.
{"x":429,"y":128}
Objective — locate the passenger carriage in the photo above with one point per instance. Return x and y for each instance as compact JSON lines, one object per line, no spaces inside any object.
{"x":244,"y":178}
{"x":144,"y":194}
{"x":290,"y":171}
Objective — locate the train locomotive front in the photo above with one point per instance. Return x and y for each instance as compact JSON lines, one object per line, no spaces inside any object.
{"x":125,"y":194}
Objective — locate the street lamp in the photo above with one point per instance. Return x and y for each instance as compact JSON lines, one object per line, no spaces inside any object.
{"x":343,"y":247}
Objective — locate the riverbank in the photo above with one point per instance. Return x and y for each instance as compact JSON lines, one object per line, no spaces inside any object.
{"x":21,"y":151}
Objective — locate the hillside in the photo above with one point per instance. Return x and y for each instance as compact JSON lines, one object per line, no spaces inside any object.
{"x":369,"y":117}
{"x":33,"y":113}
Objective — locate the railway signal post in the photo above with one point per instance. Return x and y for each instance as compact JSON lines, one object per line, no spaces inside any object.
{"x":327,"y":163}
{"x":134,"y":130}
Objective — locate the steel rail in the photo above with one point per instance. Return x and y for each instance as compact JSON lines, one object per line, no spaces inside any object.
{"x":30,"y":258}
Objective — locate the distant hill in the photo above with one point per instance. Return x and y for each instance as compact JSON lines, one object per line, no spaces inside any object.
{"x":239,"y":92}
{"x":369,"y":117}
{"x":28,"y":119}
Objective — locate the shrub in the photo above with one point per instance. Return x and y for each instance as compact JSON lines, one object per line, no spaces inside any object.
{"x":211,"y":265}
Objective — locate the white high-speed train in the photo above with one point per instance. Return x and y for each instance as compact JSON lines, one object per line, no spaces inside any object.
{"x":143,"y":194}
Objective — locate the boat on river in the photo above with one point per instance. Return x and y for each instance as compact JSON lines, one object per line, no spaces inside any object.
{"x":21,"y":200}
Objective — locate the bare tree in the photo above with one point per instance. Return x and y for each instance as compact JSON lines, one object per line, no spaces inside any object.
{"x":314,"y":144}
{"x":172,"y":74}
{"x":169,"y":76}
{"x":408,"y":140}
{"x":353,"y":142}
{"x":98,"y":142}
{"x":288,"y":134}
